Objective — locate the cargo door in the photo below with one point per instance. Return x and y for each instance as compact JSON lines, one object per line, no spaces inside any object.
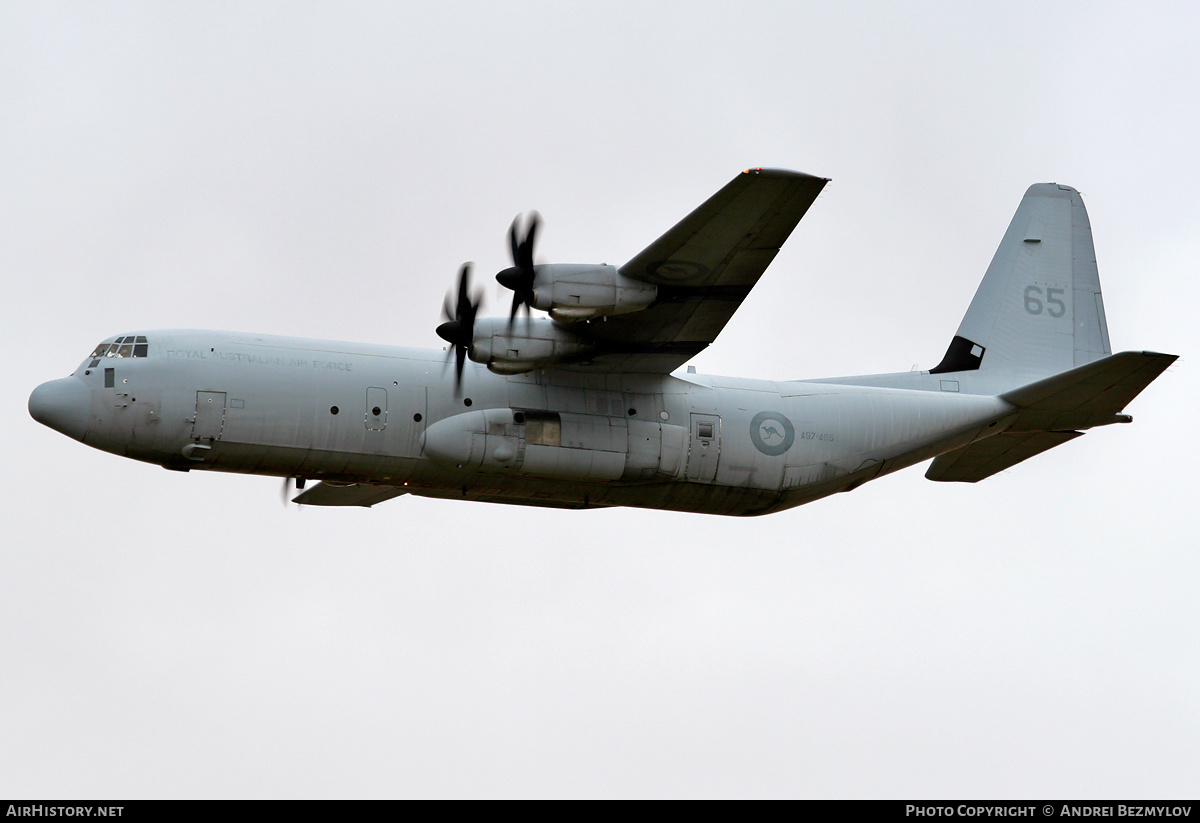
{"x":704,"y":448}
{"x":210,"y":416}
{"x":376,"y":413}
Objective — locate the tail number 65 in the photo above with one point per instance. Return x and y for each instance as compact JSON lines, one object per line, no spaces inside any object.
{"x":1052,"y":306}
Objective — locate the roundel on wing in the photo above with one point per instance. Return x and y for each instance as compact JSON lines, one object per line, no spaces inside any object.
{"x":772,"y":433}
{"x":677,"y":271}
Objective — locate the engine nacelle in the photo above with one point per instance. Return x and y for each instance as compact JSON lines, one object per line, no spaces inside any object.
{"x":534,"y":343}
{"x":574,"y":291}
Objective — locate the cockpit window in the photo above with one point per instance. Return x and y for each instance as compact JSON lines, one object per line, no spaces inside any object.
{"x":128,"y":346}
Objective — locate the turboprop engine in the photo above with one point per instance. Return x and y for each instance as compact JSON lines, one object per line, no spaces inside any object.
{"x":568,"y":291}
{"x":507,"y":347}
{"x":574,"y":291}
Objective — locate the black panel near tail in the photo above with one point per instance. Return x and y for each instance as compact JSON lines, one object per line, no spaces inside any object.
{"x":961,"y":356}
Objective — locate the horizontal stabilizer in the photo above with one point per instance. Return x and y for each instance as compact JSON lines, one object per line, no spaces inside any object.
{"x":1091,"y":395}
{"x":981,"y":459}
{"x":365,"y":495}
{"x":1051,"y":411}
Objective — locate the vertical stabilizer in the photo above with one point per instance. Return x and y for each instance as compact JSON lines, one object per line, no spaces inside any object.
{"x":1038,"y":311}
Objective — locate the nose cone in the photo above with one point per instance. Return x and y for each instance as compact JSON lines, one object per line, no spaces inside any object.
{"x":63,"y":405}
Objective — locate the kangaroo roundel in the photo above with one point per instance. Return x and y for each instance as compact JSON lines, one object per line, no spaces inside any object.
{"x":772,"y":433}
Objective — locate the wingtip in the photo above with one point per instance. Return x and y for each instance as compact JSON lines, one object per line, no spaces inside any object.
{"x":783,"y":173}
{"x":1053,"y":190}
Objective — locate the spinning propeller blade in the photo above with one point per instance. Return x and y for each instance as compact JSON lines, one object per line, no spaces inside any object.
{"x":459,"y":328}
{"x":520,"y":275}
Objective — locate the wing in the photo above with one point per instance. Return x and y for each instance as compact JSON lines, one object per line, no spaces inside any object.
{"x":704,"y":267}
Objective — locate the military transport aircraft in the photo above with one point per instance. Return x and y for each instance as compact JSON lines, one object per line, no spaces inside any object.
{"x":587,"y":407}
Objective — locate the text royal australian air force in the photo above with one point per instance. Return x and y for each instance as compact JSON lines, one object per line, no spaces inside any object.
{"x":259,"y":359}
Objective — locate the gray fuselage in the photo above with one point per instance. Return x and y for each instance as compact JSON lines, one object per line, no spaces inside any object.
{"x":349,"y":413}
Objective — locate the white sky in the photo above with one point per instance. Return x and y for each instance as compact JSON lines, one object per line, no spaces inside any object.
{"x":323,"y":169}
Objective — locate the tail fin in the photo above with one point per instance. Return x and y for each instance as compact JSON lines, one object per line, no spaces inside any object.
{"x":1038,"y":311}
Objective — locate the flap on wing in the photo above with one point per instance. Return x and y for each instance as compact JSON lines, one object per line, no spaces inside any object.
{"x":704,"y":267}
{"x":1091,"y":395}
{"x":359,"y":494}
{"x":983,"y":458}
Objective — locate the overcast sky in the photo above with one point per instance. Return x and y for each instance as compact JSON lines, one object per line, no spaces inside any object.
{"x":323,"y":169}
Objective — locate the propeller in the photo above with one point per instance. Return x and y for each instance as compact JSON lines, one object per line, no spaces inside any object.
{"x":291,"y":484}
{"x":459,"y":328}
{"x":519,"y":276}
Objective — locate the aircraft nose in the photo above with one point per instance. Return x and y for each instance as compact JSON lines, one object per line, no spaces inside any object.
{"x":63,"y":405}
